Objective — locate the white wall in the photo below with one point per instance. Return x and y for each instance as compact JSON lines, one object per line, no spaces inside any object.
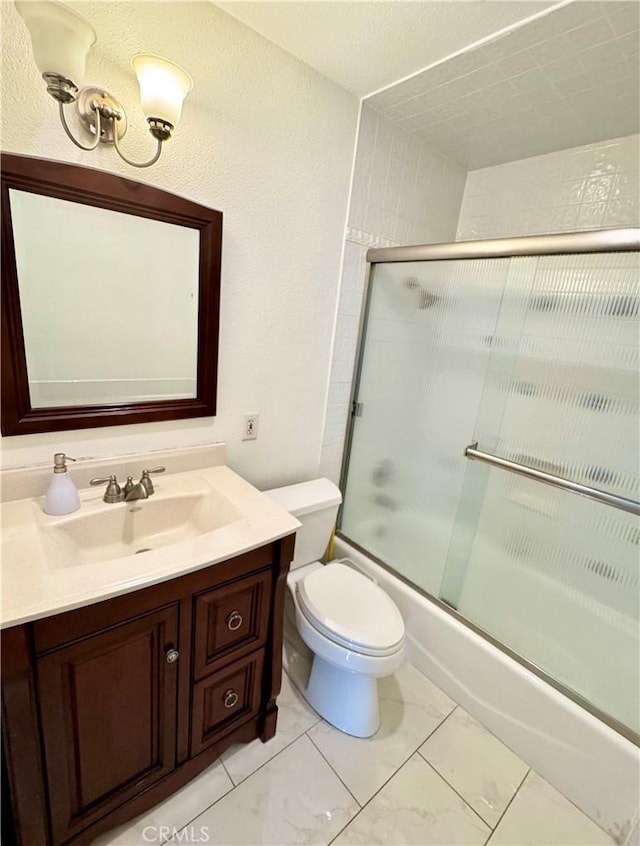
{"x":268,"y":141}
{"x":403,"y":192}
{"x":595,"y":186}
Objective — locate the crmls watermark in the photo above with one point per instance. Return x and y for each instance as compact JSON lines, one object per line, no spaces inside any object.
{"x":162,"y":833}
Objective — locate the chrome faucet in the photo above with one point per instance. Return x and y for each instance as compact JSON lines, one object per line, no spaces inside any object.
{"x":135,"y":491}
{"x":131,"y":491}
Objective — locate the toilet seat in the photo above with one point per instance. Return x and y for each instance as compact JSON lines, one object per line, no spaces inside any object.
{"x":351,"y":610}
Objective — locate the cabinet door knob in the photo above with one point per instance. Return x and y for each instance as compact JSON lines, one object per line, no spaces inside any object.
{"x":172,"y":656}
{"x":234,"y":621}
{"x":230,"y":698}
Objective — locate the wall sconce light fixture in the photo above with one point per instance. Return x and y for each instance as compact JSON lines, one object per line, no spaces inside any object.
{"x":61,"y":40}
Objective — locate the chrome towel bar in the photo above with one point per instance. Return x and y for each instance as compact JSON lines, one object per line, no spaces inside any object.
{"x":616,"y":501}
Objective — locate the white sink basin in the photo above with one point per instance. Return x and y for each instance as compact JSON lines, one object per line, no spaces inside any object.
{"x":101,"y":531}
{"x":196,"y":518}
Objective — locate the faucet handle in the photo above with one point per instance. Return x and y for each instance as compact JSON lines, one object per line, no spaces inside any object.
{"x":146,"y":482}
{"x":113,"y":492}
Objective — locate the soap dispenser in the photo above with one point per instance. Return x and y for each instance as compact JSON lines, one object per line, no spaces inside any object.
{"x":62,"y":495}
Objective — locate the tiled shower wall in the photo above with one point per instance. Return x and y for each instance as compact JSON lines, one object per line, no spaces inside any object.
{"x":404,"y":192}
{"x":590,"y":187}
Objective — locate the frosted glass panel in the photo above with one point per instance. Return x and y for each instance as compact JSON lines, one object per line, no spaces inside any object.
{"x":551,"y":574}
{"x":562,"y":389}
{"x":429,"y":334}
{"x":554,"y":576}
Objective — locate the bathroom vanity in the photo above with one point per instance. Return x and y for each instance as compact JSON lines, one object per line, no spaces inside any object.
{"x":147,"y":669}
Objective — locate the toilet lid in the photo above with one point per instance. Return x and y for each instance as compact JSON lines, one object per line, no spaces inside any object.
{"x":351,"y":608}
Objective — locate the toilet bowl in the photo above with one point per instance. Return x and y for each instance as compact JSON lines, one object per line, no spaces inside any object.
{"x":356,"y":635}
{"x":353,"y":630}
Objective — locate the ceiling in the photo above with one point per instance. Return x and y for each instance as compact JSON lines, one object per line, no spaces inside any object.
{"x":364,"y":46}
{"x":566,"y":79}
{"x":546,"y":76}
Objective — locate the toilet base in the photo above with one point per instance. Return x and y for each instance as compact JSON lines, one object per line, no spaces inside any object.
{"x":347,"y":700}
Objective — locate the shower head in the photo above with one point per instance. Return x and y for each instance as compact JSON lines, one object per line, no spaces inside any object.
{"x":425,"y":298}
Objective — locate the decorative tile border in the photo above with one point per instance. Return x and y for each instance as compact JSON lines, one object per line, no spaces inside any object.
{"x":368,"y":239}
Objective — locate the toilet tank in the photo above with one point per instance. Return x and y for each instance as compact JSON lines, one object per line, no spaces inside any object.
{"x":315,"y":504}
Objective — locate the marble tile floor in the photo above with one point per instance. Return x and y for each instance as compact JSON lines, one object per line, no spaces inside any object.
{"x":431,"y":775}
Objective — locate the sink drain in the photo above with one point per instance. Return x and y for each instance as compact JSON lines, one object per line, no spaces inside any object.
{"x":144,"y":549}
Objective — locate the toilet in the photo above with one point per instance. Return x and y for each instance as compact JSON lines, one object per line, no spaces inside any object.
{"x":353,"y":630}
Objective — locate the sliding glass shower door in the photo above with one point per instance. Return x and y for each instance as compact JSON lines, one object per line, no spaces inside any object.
{"x":429,"y":330}
{"x":534,"y":358}
{"x":553,"y":575}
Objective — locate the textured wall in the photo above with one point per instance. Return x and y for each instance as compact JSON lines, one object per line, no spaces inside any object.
{"x":591,"y":187}
{"x":267,"y":140}
{"x":404,"y":192}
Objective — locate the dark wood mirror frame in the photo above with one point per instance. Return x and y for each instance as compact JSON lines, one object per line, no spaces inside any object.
{"x":108,"y":191}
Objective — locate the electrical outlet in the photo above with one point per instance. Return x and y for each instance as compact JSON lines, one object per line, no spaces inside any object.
{"x":250,"y":427}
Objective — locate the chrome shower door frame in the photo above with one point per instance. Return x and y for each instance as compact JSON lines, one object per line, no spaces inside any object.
{"x":597,"y":241}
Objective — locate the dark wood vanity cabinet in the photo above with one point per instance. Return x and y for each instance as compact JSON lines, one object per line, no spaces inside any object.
{"x":110,"y":708}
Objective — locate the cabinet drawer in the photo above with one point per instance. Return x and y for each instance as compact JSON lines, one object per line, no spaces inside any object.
{"x":227,"y":698}
{"x":231,"y":621}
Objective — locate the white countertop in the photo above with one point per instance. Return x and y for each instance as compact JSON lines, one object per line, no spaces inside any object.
{"x":33,"y":586}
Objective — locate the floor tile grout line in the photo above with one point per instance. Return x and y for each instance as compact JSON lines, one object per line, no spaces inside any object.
{"x":221,"y":759}
{"x":347,"y":824}
{"x":490,"y":731}
{"x":529,"y":769}
{"x":572,"y":803}
{"x":333,"y":770}
{"x":502,"y":815}
{"x":215,"y":801}
{"x":268,"y":761}
{"x":234,"y":785}
{"x":312,"y":712}
{"x":458,"y":794}
{"x":382,"y":786}
{"x":433,"y":730}
{"x":394,"y":773}
{"x":566,"y":798}
{"x":416,"y":750}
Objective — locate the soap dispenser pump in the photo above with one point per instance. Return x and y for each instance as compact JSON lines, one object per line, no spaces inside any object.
{"x":62,"y":495}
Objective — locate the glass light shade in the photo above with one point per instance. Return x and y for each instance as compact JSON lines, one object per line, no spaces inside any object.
{"x":163,"y":87}
{"x":60,"y":38}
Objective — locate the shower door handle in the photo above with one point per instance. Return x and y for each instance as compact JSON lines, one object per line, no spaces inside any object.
{"x":603,"y":497}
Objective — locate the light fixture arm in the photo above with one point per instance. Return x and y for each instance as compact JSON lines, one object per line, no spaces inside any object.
{"x":101,"y":114}
{"x":65,"y":125}
{"x":61,"y":40}
{"x":151,"y":161}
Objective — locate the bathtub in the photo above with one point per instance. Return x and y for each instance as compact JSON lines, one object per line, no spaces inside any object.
{"x":591,"y":764}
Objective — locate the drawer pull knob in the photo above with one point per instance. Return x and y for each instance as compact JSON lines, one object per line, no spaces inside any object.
{"x":234,"y":621}
{"x":172,"y":656}
{"x":230,"y":699}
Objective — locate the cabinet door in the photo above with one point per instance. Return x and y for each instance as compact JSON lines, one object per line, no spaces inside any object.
{"x":108,"y":712}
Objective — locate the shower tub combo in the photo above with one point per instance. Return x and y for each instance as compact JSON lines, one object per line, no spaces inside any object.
{"x":491,"y":486}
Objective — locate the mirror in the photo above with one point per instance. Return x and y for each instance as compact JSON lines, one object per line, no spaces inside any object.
{"x":110,"y":300}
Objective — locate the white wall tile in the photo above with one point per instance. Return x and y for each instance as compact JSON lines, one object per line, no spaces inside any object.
{"x":580,"y":188}
{"x":404,"y":191}
{"x":575,"y":68}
